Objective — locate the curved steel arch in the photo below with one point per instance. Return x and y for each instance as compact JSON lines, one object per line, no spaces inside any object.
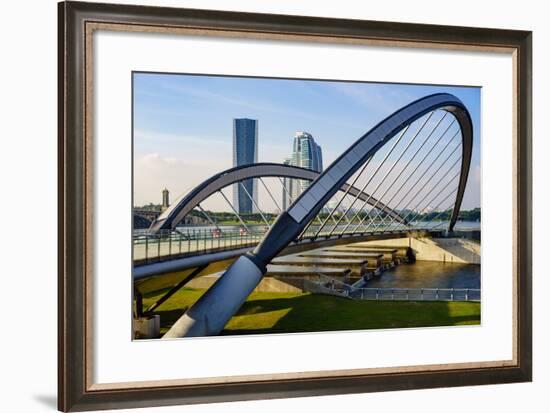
{"x":170,"y":218}
{"x":210,"y":314}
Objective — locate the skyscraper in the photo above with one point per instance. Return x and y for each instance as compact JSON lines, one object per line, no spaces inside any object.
{"x":305,"y":154}
{"x":245,"y":152}
{"x":287,"y":190}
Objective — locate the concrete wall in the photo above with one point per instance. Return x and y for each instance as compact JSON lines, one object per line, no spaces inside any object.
{"x":456,"y":250}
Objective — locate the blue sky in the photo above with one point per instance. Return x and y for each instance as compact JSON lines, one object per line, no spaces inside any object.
{"x":183,"y":123}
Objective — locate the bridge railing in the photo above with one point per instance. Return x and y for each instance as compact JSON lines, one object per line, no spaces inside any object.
{"x":163,"y":245}
{"x":417,"y":294}
{"x":170,"y":244}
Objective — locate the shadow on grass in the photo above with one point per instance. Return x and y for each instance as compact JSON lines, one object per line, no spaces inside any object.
{"x":308,"y":313}
{"x":266,"y":313}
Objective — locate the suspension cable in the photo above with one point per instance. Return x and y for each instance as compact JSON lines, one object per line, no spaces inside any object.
{"x":435,"y":197}
{"x":412,"y":174}
{"x":270,"y":195}
{"x":390,"y":186}
{"x":234,"y":210}
{"x":208,"y":217}
{"x":254,"y":203}
{"x":395,"y":163}
{"x":432,"y":163}
{"x":374,"y":174}
{"x":428,"y":180}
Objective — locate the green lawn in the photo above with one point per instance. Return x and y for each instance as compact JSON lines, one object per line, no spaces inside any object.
{"x":302,"y":312}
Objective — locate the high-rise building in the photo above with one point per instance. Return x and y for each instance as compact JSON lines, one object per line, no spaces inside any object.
{"x":165,"y":199}
{"x":306,"y":153}
{"x":245,"y":152}
{"x":287,"y":190}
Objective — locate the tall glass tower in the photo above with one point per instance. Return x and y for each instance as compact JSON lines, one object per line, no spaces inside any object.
{"x":305,"y":154}
{"x":245,"y":152}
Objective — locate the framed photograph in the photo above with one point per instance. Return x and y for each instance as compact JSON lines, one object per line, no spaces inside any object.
{"x":259,"y":206}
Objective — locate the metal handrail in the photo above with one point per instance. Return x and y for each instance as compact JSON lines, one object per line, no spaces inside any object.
{"x":175,"y":243}
{"x":417,"y":294}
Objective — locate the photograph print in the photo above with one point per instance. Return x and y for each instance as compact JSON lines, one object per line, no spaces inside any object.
{"x":274,"y":205}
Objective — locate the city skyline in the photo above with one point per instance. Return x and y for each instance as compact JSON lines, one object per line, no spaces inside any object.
{"x":181,"y":124}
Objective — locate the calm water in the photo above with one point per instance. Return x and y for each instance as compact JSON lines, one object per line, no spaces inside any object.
{"x":427,"y":274}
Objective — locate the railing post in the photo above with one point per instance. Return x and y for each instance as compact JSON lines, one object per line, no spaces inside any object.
{"x":421,"y":294}
{"x":146,"y":246}
{"x":467,"y":294}
{"x":179,"y":247}
{"x":452,"y":294}
{"x":437,"y":294}
{"x":407,"y":292}
{"x":392,"y":294}
{"x":158,"y":245}
{"x":362,"y":293}
{"x":377,"y":293}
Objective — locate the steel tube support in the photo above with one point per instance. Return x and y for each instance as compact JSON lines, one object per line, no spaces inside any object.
{"x":209,"y":315}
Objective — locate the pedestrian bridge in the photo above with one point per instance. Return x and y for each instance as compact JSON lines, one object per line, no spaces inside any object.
{"x":405,"y":176}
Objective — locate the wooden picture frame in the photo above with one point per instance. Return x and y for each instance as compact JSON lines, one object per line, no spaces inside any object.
{"x":76,"y":24}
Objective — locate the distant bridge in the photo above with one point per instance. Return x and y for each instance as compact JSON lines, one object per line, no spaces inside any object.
{"x":173,"y":215}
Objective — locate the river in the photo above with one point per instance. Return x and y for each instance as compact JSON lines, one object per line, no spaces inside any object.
{"x":429,"y":274}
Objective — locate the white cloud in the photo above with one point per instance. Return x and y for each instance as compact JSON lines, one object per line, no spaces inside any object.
{"x":375,"y":97}
{"x":153,"y":172}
